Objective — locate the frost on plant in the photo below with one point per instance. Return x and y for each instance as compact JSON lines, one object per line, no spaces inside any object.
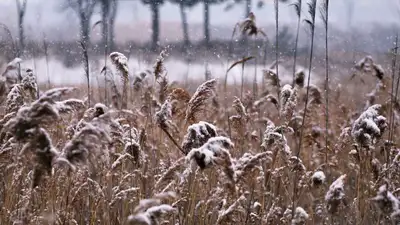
{"x":387,"y":203}
{"x":288,"y":101}
{"x":214,"y":152}
{"x":22,"y":93}
{"x":197,"y":135}
{"x":300,"y":216}
{"x":150,"y":211}
{"x":335,"y":194}
{"x":90,"y":142}
{"x":274,"y":138}
{"x":41,"y":111}
{"x":318,"y":178}
{"x":369,"y":126}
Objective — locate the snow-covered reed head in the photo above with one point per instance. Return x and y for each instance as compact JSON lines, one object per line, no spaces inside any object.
{"x":22,"y":93}
{"x":299,"y":79}
{"x":300,"y":216}
{"x":44,"y":110}
{"x":369,"y":126}
{"x":164,"y":114}
{"x":288,"y":101}
{"x":248,"y":26}
{"x":271,"y":78}
{"x":214,"y":152}
{"x":140,"y":78}
{"x":368,"y":65}
{"x":45,"y":155}
{"x":91,"y":140}
{"x":197,"y":135}
{"x":11,"y":74}
{"x":100,"y":109}
{"x":150,"y":211}
{"x":318,"y":178}
{"x":238,"y":121}
{"x":121,"y":62}
{"x":387,"y":203}
{"x":159,"y":68}
{"x":315,"y":95}
{"x":335,"y":195}
{"x":274,"y":138}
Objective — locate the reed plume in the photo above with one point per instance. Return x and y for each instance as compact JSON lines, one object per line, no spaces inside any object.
{"x":121,"y":63}
{"x":196,"y":104}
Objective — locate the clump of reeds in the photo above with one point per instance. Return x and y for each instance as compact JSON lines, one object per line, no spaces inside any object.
{"x":41,"y":111}
{"x":22,"y":93}
{"x":90,"y":142}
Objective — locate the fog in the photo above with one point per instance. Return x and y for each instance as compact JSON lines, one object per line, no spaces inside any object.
{"x":134,"y":18}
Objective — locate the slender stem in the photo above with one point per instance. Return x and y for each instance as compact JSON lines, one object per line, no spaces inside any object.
{"x":296,"y":44}
{"x":277,"y":35}
{"x":326,"y":84}
{"x":172,"y":139}
{"x":394,"y":61}
{"x":241,"y":88}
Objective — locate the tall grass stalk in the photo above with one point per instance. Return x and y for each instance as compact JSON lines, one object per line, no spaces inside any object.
{"x":46,"y":55}
{"x":276,"y":4}
{"x":394,"y":62}
{"x":312,"y":5}
{"x":297,"y":5}
{"x":86,"y":68}
{"x":324,"y":11}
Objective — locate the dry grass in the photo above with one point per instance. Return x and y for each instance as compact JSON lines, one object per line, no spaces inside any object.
{"x":63,"y":162}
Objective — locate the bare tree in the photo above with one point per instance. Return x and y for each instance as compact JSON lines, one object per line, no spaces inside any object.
{"x":108,"y":14}
{"x":21,"y":10}
{"x":155,"y":14}
{"x":183,"y":5}
{"x":84,"y":9}
{"x":113,"y":14}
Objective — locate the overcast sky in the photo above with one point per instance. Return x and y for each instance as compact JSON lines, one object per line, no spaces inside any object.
{"x":46,"y":14}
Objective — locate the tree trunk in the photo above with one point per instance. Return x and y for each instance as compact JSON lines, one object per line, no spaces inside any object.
{"x":114,"y":9}
{"x":247,"y":9}
{"x":105,"y":11}
{"x":84,"y":27}
{"x":156,"y":26}
{"x":21,"y":9}
{"x":21,"y":34}
{"x":206,"y":24}
{"x":184,"y":26}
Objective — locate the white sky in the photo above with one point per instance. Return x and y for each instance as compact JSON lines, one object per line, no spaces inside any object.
{"x":47,"y":14}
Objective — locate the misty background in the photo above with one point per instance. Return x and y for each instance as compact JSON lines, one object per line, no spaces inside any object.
{"x":133,"y":20}
{"x":54,"y":33}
